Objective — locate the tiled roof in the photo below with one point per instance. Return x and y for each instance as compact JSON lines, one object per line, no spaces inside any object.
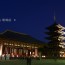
{"x":19,"y":37}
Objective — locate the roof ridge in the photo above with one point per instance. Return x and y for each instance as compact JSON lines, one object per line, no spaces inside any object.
{"x":12,"y":31}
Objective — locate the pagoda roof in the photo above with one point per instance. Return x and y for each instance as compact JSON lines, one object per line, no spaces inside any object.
{"x":55,"y":41}
{"x":19,"y":37}
{"x":60,"y":26}
{"x":55,"y":26}
{"x":52,"y":26}
{"x":53,"y":33}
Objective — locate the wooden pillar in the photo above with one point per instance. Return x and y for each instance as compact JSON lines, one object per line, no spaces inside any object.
{"x":1,"y":46}
{"x":23,"y":51}
{"x":12,"y":52}
{"x":31,"y":51}
{"x":36,"y":52}
{"x":17,"y":52}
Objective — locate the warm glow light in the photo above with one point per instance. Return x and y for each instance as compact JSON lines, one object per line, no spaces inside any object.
{"x":43,"y":56}
{"x":59,"y":26}
{"x":3,"y":55}
{"x":5,"y":43}
{"x":12,"y":55}
{"x":60,"y":55}
{"x":62,"y":32}
{"x":63,"y":47}
{"x":28,"y":46}
{"x":18,"y":45}
{"x":10,"y":44}
{"x":33,"y":52}
{"x":17,"y":56}
{"x":30,"y":53}
{"x":63,"y":55}
{"x":0,"y":53}
{"x":15,"y":44}
{"x":34,"y":56}
{"x":61,"y":37}
{"x":0,"y":50}
{"x":61,"y":52}
{"x":36,"y":52}
{"x":60,"y":45}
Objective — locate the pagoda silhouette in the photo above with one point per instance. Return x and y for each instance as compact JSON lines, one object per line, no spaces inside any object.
{"x":55,"y":40}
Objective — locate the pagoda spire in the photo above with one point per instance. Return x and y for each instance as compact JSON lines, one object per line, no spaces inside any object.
{"x":54,"y":17}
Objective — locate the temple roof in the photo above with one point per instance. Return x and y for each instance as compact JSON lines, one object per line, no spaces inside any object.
{"x":19,"y":37}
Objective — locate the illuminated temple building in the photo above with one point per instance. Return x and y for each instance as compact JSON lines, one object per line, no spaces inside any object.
{"x":18,"y":45}
{"x":62,"y":40}
{"x":56,"y":37}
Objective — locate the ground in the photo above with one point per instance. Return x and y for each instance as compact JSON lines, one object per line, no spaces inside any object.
{"x":34,"y":62}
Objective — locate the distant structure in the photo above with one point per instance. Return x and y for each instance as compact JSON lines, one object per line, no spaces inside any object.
{"x":18,"y":45}
{"x":56,"y":44}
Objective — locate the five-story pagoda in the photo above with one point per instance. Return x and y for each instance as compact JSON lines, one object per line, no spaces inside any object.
{"x":56,"y":40}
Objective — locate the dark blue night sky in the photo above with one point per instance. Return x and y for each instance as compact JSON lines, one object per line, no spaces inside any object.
{"x":32,"y":16}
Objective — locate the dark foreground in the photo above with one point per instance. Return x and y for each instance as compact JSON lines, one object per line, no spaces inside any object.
{"x":34,"y":62}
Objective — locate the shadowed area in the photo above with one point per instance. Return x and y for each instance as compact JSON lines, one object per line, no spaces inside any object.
{"x":34,"y":62}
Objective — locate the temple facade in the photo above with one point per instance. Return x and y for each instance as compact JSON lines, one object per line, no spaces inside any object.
{"x":18,"y":45}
